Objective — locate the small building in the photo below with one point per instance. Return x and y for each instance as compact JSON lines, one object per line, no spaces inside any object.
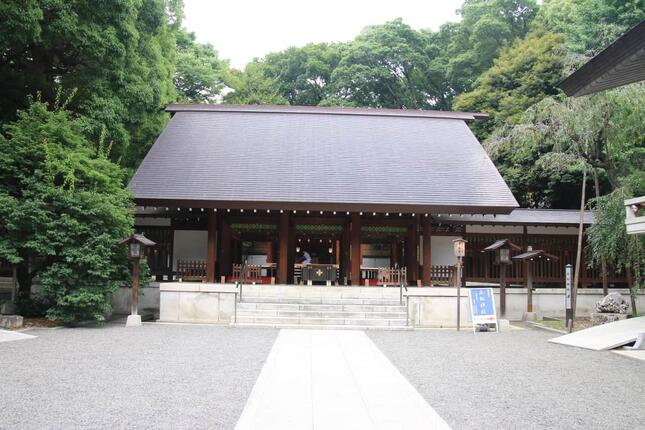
{"x":228,"y":190}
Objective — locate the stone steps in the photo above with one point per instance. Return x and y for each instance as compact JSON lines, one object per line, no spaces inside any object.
{"x":272,"y":321}
{"x":331,"y":300}
{"x":337,"y":307}
{"x":321,"y":311}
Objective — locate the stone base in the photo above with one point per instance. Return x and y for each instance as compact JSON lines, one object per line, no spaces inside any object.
{"x":503,"y":325}
{"x":531,"y":316}
{"x":604,"y":318}
{"x":133,"y":321}
{"x":11,"y":321}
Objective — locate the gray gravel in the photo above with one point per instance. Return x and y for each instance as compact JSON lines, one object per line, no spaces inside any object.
{"x":517,"y":380}
{"x":156,"y":376}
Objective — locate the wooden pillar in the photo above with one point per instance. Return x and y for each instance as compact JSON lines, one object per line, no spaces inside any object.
{"x":427,"y":251}
{"x":211,"y":247}
{"x":283,"y":249}
{"x":529,"y":285}
{"x":411,"y":258}
{"x":395,"y":253}
{"x":502,"y":289}
{"x":344,"y":254}
{"x":225,"y":257}
{"x":355,"y":259}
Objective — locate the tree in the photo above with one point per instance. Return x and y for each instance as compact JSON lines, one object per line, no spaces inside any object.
{"x":63,"y":207}
{"x":386,"y":66}
{"x":609,"y":241}
{"x":119,"y":56}
{"x":589,"y":25}
{"x":252,"y":86}
{"x":303,"y":74}
{"x":523,"y":75}
{"x":198,"y":74}
{"x":605,"y":131}
{"x":486,"y":26}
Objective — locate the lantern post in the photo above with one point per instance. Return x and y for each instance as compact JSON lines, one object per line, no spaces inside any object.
{"x":459,"y":246}
{"x":137,"y":244}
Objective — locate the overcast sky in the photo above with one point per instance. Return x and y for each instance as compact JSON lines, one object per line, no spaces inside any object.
{"x":244,"y":29}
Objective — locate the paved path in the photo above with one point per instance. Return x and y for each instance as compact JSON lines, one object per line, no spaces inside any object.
{"x":332,"y":379}
{"x":8,"y":336}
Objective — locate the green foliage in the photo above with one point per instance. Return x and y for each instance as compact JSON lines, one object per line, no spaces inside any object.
{"x":486,"y":26}
{"x":63,"y":207}
{"x":252,"y":86}
{"x":303,"y":75}
{"x":198,"y":75}
{"x":523,"y":75}
{"x":386,"y":66}
{"x":118,"y":55}
{"x":607,"y":238}
{"x":590,"y":25}
{"x":540,"y":156}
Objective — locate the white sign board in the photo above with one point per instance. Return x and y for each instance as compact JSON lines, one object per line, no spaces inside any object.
{"x":482,"y":307}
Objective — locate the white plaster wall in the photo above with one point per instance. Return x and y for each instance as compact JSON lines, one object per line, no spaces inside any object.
{"x":153,"y":222}
{"x":257,"y":259}
{"x":497,"y":229}
{"x":376,"y":262}
{"x":189,"y":245}
{"x":442,"y":250}
{"x":570,"y":231}
{"x":436,"y":306}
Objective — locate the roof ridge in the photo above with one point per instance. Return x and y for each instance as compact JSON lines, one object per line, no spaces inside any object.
{"x":328,"y":110}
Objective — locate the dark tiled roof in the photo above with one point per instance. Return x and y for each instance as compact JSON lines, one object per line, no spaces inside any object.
{"x":219,"y":156}
{"x":621,"y":63}
{"x":523,"y":216}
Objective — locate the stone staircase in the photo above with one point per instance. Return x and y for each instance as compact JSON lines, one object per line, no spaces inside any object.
{"x":322,"y":307}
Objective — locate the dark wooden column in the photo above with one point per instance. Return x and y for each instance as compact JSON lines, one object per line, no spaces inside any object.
{"x":283,"y":249}
{"x":344,"y":253}
{"x":211,"y":247}
{"x":395,"y":253}
{"x":411,"y":260}
{"x":427,"y":251}
{"x":355,"y":259}
{"x":225,"y":257}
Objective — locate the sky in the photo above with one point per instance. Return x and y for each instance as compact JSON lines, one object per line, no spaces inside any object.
{"x":245,"y":29}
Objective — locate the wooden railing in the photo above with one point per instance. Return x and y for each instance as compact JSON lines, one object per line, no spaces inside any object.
{"x":191,"y":270}
{"x":442,"y":275}
{"x":247,"y":273}
{"x":392,"y":276}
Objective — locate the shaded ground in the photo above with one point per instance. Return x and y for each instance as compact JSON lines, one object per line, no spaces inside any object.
{"x":517,"y":380}
{"x":155,"y":376}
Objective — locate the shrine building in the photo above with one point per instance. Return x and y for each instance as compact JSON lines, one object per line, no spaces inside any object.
{"x":294,"y":194}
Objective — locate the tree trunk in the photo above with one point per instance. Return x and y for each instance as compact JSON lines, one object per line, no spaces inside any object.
{"x":23,"y":274}
{"x":603,"y":260}
{"x":574,"y":291}
{"x":632,"y":290}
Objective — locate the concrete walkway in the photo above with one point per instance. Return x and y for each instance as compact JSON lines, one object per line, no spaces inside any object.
{"x":328,"y":379}
{"x":8,"y":336}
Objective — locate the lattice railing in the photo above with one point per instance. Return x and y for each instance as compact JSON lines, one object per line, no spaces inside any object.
{"x":191,"y":270}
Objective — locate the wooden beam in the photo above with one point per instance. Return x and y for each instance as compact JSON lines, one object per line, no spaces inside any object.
{"x":427,"y":251}
{"x":211,"y":247}
{"x":344,"y":254}
{"x":355,"y":259}
{"x":283,"y":249}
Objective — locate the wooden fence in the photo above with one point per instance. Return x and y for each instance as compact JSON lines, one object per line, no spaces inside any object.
{"x":191,"y":270}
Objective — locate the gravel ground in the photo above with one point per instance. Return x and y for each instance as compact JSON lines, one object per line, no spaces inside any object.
{"x":517,"y":380}
{"x":156,"y":376}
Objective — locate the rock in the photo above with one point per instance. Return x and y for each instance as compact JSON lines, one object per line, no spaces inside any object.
{"x":11,"y":322}
{"x":605,"y":317}
{"x":613,"y":303}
